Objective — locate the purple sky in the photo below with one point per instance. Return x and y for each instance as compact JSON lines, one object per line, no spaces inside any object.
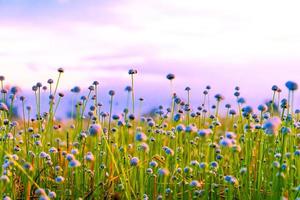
{"x":253,"y":44}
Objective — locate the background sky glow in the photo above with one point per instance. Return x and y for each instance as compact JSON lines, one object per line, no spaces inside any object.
{"x":253,"y":44}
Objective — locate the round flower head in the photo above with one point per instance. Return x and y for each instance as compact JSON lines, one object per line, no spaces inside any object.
{"x":195,"y":183}
{"x":297,"y":152}
{"x":204,"y":132}
{"x":230,"y":179}
{"x":225,"y":142}
{"x":76,"y":89}
{"x":247,"y":109}
{"x":6,"y":198}
{"x":74,"y":163}
{"x":111,"y":92}
{"x":53,"y":150}
{"x":4,"y":179}
{"x":3,"y":107}
{"x":141,"y":137}
{"x":180,"y":127}
{"x":291,"y":85}
{"x":134,"y":161}
{"x":274,"y":88}
{"x":272,"y":125}
{"x":59,"y":179}
{"x":132,"y":71}
{"x":128,"y":88}
{"x":177,"y":117}
{"x":262,"y":107}
{"x":230,"y":135}
{"x":170,"y":76}
{"x":219,"y":97}
{"x":89,"y":156}
{"x":214,"y":164}
{"x":27,"y":166}
{"x":153,"y":163}
{"x":40,"y":191}
{"x":60,"y":70}
{"x":52,"y":195}
{"x":70,"y":157}
{"x":187,"y":88}
{"x":163,"y":172}
{"x":202,"y":165}
{"x":241,"y":100}
{"x":95,"y":129}
{"x":143,"y":147}
{"x":190,"y":129}
{"x":168,"y":151}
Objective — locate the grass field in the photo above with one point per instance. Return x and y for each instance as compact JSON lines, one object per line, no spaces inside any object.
{"x":208,"y":151}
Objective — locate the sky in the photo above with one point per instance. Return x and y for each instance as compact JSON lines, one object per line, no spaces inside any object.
{"x":253,"y":44}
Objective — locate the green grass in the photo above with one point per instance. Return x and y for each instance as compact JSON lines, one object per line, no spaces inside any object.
{"x":195,"y":155}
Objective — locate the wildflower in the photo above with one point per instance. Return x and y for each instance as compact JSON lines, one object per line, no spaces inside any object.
{"x":70,"y":157}
{"x":163,"y":172}
{"x":27,"y":166}
{"x":202,"y":165}
{"x":134,"y":161}
{"x":141,"y":137}
{"x":276,"y":164}
{"x":128,"y":88}
{"x":241,"y":100}
{"x":177,"y":117}
{"x":204,"y":132}
{"x":74,"y":163}
{"x":272,"y":125}
{"x":59,"y":179}
{"x":74,"y":151}
{"x":219,"y":97}
{"x":143,"y":147}
{"x":243,"y":170}
{"x":132,"y":71}
{"x":262,"y":107}
{"x":180,"y":127}
{"x":3,"y":107}
{"x":230,"y":135}
{"x":292,"y":86}
{"x":40,"y":191}
{"x":195,"y":183}
{"x":76,"y":89}
{"x":153,"y":163}
{"x":53,"y":150}
{"x":190,"y":129}
{"x":168,"y":151}
{"x":89,"y":156}
{"x":43,"y":154}
{"x":226,"y":142}
{"x":149,"y":170}
{"x":230,"y":179}
{"x":170,"y":77}
{"x":285,"y":130}
{"x":52,"y":195}
{"x":194,"y":163}
{"x":214,"y":164}
{"x":95,"y":129}
{"x":60,"y":70}
{"x":4,"y":178}
{"x":274,"y":88}
{"x":232,"y":112}
{"x":111,"y":92}
{"x":187,"y":170}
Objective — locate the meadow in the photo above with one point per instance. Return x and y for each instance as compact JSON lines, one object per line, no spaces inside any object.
{"x":208,"y":151}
